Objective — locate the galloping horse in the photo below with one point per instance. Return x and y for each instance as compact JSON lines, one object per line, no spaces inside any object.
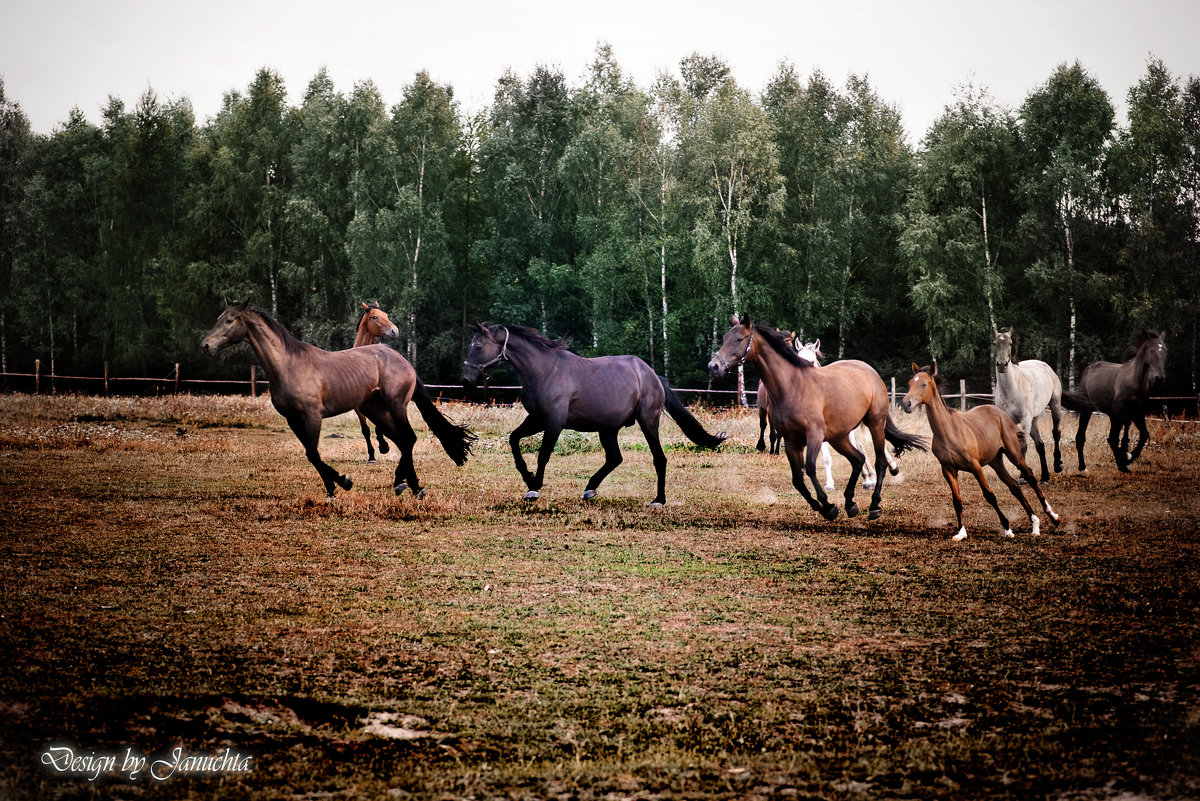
{"x":309,"y":384}
{"x":562,"y":390}
{"x":1024,"y":390}
{"x":1120,"y":391}
{"x":811,"y":352}
{"x":969,"y":440}
{"x":373,"y":325}
{"x":764,"y":410}
{"x":814,"y":405}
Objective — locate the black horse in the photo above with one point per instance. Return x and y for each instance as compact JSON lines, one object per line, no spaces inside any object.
{"x":1121,"y":392}
{"x":562,"y":390}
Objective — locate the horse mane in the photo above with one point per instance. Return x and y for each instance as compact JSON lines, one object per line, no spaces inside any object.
{"x":938,"y":378}
{"x":531,"y":335}
{"x":778,"y":342}
{"x":291,"y":343}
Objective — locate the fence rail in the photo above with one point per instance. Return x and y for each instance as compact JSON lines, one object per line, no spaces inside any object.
{"x":38,"y":382}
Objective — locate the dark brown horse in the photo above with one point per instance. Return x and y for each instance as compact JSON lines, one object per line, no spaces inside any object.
{"x":373,"y":325}
{"x":1121,"y":392}
{"x":561,"y":390}
{"x":812,"y":405}
{"x":968,"y":441}
{"x":309,"y":384}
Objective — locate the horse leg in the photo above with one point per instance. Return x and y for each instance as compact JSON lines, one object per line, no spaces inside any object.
{"x":1015,"y":488}
{"x":762,"y":428}
{"x":812,"y":450}
{"x":990,"y":497}
{"x":612,"y":458}
{"x":1056,"y":422}
{"x":951,"y":476}
{"x":1114,"y":442}
{"x":307,"y":429}
{"x":528,"y":427}
{"x":827,"y":460}
{"x":869,"y":473}
{"x":846,"y":448}
{"x":1139,"y":420}
{"x":796,"y":461}
{"x":366,"y":432}
{"x":650,"y":430}
{"x":1081,"y":439}
{"x":1036,"y":435}
{"x":391,"y":419}
{"x":776,"y":438}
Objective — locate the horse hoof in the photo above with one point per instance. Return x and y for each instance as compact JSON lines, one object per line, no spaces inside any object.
{"x":874,"y":514}
{"x":830,"y":512}
{"x":1009,"y":533}
{"x":961,"y":535}
{"x":657,"y":505}
{"x":400,"y":488}
{"x":347,"y":483}
{"x":589,"y":494}
{"x":868,"y":485}
{"x":383,"y":446}
{"x":851,"y":510}
{"x":532,"y":495}
{"x":420,"y":494}
{"x":829,"y":488}
{"x":371,"y":460}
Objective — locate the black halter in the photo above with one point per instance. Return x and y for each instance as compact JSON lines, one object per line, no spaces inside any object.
{"x":501,"y":357}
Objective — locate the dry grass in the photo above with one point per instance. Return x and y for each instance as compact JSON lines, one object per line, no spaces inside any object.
{"x":173,"y":577}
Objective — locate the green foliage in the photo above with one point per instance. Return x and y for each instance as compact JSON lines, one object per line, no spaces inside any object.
{"x":624,"y":219}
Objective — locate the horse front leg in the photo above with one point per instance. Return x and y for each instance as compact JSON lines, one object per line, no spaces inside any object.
{"x":762,"y":430}
{"x":812,"y":451}
{"x":528,"y":427}
{"x":951,"y":476}
{"x":1139,"y":420}
{"x":796,"y":460}
{"x":1035,"y":434}
{"x":307,"y":429}
{"x":1056,"y":431}
{"x":1114,"y":443}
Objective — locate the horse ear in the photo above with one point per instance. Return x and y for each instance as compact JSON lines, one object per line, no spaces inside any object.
{"x":364,"y":305}
{"x":816,"y":344}
{"x":479,"y":328}
{"x":915,"y":368}
{"x":734,"y":319}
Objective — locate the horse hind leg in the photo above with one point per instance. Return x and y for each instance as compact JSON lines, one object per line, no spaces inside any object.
{"x":857,"y":461}
{"x":1081,"y":439}
{"x":998,"y":466}
{"x":366,"y":432}
{"x":650,"y":430}
{"x":869,"y":473}
{"x":1027,"y":473}
{"x":612,"y":458}
{"x":827,"y":461}
{"x":394,"y":423}
{"x":1056,"y":431}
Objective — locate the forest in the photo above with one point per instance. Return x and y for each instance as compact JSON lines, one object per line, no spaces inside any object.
{"x":623,"y":218}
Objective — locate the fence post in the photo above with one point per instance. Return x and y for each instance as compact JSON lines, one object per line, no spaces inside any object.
{"x":253,"y":389}
{"x":37,"y":376}
{"x":176,"y":378}
{"x":893,"y":398}
{"x":106,"y":379}
{"x":962,"y":393}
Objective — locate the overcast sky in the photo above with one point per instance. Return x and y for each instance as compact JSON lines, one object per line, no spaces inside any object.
{"x":59,"y":54}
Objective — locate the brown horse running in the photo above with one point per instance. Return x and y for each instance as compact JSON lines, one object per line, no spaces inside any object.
{"x":373,"y":325}
{"x":562,"y":390}
{"x":1121,"y":392}
{"x":811,"y":405}
{"x":764,"y":409}
{"x":969,"y":440}
{"x":309,"y":384}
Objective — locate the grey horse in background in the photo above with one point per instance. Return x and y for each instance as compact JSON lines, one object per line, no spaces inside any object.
{"x":1024,"y":390}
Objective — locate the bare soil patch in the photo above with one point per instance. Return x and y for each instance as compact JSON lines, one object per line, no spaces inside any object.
{"x":173,"y":578}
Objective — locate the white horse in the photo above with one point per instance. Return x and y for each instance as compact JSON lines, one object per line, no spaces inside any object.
{"x":1024,"y":390}
{"x":811,"y":353}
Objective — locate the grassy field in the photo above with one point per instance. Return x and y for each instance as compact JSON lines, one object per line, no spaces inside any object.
{"x":173,"y":579}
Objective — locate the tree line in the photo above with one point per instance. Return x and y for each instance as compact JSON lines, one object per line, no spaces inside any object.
{"x":626,"y":219}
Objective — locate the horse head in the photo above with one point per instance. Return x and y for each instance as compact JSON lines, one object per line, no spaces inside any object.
{"x":810,"y":352}
{"x":484,"y":351}
{"x":735,"y":347}
{"x":1003,"y":346}
{"x":376,"y":322}
{"x":1152,"y":351}
{"x":229,"y":329}
{"x":921,"y":387}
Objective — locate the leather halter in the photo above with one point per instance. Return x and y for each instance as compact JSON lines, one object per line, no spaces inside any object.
{"x":500,"y":357}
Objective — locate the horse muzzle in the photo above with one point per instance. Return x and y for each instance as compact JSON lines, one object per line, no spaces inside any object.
{"x":717,"y":368}
{"x":470,"y":376}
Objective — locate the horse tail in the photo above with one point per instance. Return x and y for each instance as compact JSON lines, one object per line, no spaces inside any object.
{"x":456,"y":440}
{"x":690,"y":425}
{"x":902,"y":440}
{"x":1077,"y":401}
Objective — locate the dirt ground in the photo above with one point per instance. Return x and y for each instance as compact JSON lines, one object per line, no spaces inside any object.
{"x":176,"y":589}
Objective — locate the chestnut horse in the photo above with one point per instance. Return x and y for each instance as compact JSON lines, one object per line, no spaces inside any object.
{"x":373,"y":325}
{"x":309,"y":384}
{"x":1121,"y":392}
{"x":562,"y":390}
{"x":812,"y":405}
{"x":969,"y":440}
